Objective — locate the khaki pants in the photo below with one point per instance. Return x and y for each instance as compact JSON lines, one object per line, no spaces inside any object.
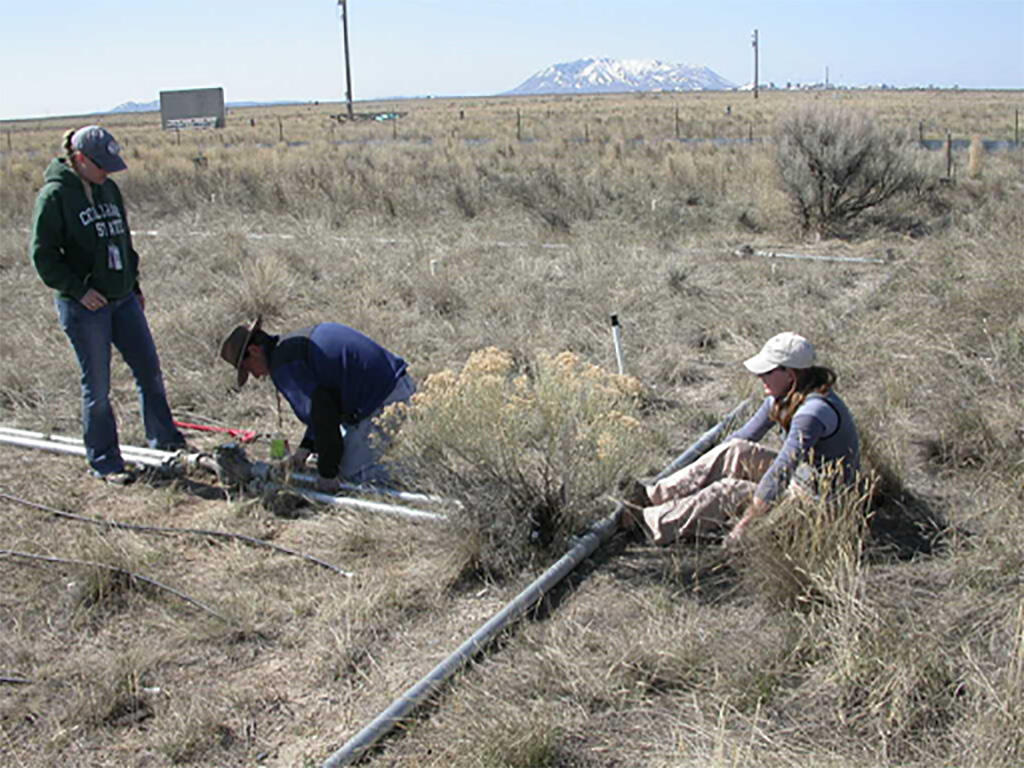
{"x":702,"y":497}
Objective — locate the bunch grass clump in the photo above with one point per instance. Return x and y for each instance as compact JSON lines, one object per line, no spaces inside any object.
{"x":811,"y":546}
{"x":528,"y":446}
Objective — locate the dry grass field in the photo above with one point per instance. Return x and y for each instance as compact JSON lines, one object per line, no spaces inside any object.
{"x":488,"y":241}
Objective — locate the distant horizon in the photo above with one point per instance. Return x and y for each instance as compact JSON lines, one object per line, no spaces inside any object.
{"x":407,"y":49}
{"x":153,"y":105}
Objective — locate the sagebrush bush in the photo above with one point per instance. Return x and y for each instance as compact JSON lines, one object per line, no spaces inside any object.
{"x":528,"y":446}
{"x":836,"y":164}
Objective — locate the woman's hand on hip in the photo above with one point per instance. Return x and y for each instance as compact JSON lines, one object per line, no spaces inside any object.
{"x":93,"y":300}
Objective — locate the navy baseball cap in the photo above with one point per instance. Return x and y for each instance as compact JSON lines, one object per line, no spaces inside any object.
{"x":98,"y":145}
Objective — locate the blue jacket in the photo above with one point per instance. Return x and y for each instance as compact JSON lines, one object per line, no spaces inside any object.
{"x":331,"y":375}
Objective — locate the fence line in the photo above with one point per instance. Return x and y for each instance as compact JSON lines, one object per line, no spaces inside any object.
{"x":990,"y":145}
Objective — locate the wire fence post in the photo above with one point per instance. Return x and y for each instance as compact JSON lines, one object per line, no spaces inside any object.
{"x":949,"y":155}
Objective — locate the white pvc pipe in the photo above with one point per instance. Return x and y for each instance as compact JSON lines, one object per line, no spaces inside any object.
{"x":617,"y":342}
{"x":31,"y":442}
{"x":357,"y":746}
{"x":373,"y":506}
{"x":810,"y":257}
{"x":150,"y":457}
{"x":134,"y":450}
{"x":76,"y":449}
{"x":376,"y":490}
{"x":703,"y":444}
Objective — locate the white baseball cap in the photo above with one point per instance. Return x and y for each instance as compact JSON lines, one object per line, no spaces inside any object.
{"x":786,"y":350}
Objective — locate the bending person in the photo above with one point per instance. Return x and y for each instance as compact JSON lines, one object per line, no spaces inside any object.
{"x":82,"y":248}
{"x":336,"y":380}
{"x":740,"y":479}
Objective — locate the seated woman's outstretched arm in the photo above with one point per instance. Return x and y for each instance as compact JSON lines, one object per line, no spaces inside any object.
{"x":804,"y":434}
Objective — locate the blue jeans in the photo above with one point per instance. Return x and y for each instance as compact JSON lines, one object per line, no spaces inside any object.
{"x":364,"y":441}
{"x":120,"y":323}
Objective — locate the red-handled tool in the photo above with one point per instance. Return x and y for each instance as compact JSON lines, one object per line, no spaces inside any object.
{"x":244,"y":435}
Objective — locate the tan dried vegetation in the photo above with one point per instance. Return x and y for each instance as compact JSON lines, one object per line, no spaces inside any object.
{"x":489,"y":250}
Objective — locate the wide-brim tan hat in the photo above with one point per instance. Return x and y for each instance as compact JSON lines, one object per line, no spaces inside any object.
{"x":233,"y":349}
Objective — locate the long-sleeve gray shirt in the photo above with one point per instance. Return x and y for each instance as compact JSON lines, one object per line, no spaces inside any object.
{"x":822,"y":433}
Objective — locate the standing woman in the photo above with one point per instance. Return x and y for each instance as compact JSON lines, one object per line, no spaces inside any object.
{"x":82,"y":248}
{"x":739,"y":479}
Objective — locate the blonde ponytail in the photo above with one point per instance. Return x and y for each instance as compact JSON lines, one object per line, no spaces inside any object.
{"x":68,"y":150}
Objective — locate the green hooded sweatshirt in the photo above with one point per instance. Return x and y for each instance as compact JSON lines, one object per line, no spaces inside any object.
{"x":78,"y":243}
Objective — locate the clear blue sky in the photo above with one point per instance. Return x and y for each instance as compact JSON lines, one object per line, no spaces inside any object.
{"x":63,"y":58}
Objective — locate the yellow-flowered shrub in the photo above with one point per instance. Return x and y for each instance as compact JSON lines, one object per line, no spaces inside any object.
{"x":530,"y":447}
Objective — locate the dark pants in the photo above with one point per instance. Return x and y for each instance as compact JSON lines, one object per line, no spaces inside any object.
{"x":121,"y":324}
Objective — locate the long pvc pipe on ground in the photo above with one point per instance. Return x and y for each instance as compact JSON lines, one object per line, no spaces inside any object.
{"x":133,"y":450}
{"x":345,"y":501}
{"x":376,"y":490}
{"x":77,"y":449}
{"x":150,"y":457}
{"x":703,"y":443}
{"x":811,"y":257}
{"x":357,"y":746}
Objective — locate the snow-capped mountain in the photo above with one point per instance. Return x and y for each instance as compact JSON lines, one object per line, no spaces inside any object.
{"x":617,"y":75}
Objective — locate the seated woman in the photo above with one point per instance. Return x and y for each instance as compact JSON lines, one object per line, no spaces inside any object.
{"x":740,"y":478}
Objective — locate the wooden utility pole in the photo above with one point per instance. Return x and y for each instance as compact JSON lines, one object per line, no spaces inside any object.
{"x":343,"y":4}
{"x":754,"y":43}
